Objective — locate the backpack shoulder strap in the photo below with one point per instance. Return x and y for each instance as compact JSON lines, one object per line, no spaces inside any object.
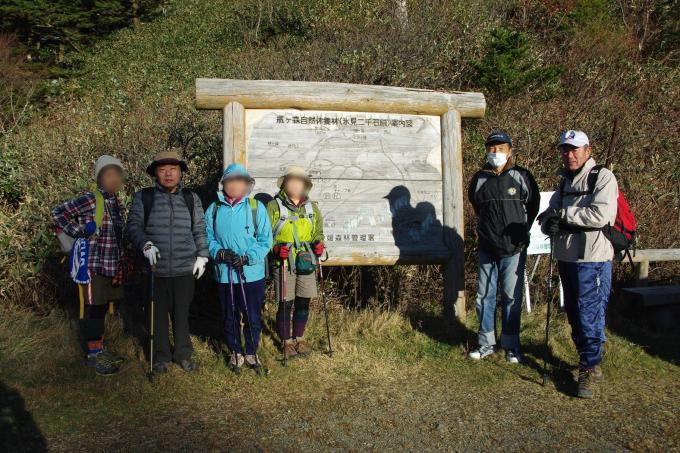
{"x":592,"y":177}
{"x":188,"y":195}
{"x":98,"y":207}
{"x":252,"y":202}
{"x":216,"y":206}
{"x":283,"y":216}
{"x":309,"y":214}
{"x":147,"y":201}
{"x":591,"y":182}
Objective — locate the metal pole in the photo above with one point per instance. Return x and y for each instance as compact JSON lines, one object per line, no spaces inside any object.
{"x":152,"y":284}
{"x":547,"y":320}
{"x":282,"y":290}
{"x":325,"y":308}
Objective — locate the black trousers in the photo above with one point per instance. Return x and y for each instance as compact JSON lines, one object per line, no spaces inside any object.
{"x":172,"y":296}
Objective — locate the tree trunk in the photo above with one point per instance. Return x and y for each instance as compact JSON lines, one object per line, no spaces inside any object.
{"x":135,"y":12}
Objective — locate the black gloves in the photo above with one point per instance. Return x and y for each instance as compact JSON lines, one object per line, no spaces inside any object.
{"x":238,"y":262}
{"x":550,"y":221}
{"x":224,"y":256}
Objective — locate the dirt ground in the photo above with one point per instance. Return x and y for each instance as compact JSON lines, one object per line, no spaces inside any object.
{"x":388,"y":386}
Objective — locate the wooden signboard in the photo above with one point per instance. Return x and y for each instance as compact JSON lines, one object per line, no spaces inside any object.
{"x":386,"y":163}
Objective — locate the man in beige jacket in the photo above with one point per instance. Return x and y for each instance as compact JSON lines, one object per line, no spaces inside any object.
{"x":584,"y":203}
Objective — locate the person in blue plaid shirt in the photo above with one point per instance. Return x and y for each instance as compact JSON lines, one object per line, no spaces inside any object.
{"x":76,"y":218}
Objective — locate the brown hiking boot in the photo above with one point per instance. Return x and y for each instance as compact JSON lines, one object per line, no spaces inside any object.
{"x":597,"y":373}
{"x":302,"y":347}
{"x":289,"y":349}
{"x":586,"y":381}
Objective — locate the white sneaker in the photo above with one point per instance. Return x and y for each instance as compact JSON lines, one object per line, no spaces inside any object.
{"x":236,"y":361}
{"x":513,"y":356}
{"x":481,"y":352}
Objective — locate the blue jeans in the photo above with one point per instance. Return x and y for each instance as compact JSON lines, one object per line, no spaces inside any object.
{"x":586,"y":295}
{"x":507,"y":275}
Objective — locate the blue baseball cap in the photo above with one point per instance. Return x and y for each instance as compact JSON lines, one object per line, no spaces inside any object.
{"x":498,"y":137}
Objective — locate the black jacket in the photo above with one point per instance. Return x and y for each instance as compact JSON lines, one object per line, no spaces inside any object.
{"x":506,"y":205}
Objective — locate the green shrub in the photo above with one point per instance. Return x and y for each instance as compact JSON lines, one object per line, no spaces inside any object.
{"x":134,"y":95}
{"x":508,"y":66}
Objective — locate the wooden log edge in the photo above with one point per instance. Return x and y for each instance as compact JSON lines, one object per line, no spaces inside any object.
{"x":283,"y":94}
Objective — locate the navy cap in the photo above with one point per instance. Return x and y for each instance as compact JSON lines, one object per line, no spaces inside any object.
{"x":498,"y":137}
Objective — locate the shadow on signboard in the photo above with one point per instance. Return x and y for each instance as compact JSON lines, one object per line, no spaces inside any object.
{"x":420,"y":237}
{"x":416,"y":229}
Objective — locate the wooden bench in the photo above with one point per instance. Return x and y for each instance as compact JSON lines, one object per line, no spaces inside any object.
{"x":642,"y":259}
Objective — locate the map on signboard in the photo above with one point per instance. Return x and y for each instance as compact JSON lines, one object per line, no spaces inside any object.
{"x":377,"y":177}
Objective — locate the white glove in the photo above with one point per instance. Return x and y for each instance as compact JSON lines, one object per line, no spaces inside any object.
{"x":151,"y":253}
{"x":199,"y":266}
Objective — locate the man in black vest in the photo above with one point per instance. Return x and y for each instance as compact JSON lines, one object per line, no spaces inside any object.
{"x":166,"y":224}
{"x":506,"y":200}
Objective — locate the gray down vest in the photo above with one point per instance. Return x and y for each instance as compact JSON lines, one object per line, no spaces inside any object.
{"x":169,"y":228}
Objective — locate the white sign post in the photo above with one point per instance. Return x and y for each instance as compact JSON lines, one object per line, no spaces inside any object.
{"x":539,"y":245}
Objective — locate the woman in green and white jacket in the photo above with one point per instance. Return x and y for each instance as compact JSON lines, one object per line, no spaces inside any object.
{"x":298,"y":244}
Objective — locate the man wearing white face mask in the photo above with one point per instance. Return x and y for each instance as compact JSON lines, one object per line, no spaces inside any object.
{"x":506,"y":200}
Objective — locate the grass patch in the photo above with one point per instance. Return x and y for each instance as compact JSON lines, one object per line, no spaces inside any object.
{"x":388,"y":385}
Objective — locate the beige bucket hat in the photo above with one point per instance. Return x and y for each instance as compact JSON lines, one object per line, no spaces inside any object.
{"x":167,"y":157}
{"x":295,"y":171}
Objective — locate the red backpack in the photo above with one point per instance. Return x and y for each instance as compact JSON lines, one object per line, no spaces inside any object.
{"x":622,"y":233}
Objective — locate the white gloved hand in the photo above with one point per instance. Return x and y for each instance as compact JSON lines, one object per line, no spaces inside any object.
{"x":151,"y":253}
{"x":199,"y":266}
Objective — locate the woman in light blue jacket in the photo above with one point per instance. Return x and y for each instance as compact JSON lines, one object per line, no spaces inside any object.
{"x":239,"y":238}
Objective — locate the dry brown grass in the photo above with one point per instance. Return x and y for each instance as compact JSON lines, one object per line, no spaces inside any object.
{"x":387,"y":386}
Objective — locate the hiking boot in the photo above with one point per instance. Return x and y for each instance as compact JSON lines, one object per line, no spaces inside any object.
{"x":160,"y":367}
{"x":302,"y":347}
{"x":289,"y":349}
{"x":597,"y":373}
{"x":481,"y":352}
{"x":189,"y":365}
{"x":585,"y":383}
{"x":253,"y":361}
{"x":235,"y":362}
{"x":513,"y":355}
{"x":107,"y":356}
{"x":100,"y":367}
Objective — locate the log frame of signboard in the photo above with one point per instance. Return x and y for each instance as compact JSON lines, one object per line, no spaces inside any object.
{"x":235,"y":96}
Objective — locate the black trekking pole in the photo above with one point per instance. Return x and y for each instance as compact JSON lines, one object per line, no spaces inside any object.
{"x":322,"y":284}
{"x":259,"y":368}
{"x":150,"y":374}
{"x":547,"y":319}
{"x":237,"y":326}
{"x":282,"y":292}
